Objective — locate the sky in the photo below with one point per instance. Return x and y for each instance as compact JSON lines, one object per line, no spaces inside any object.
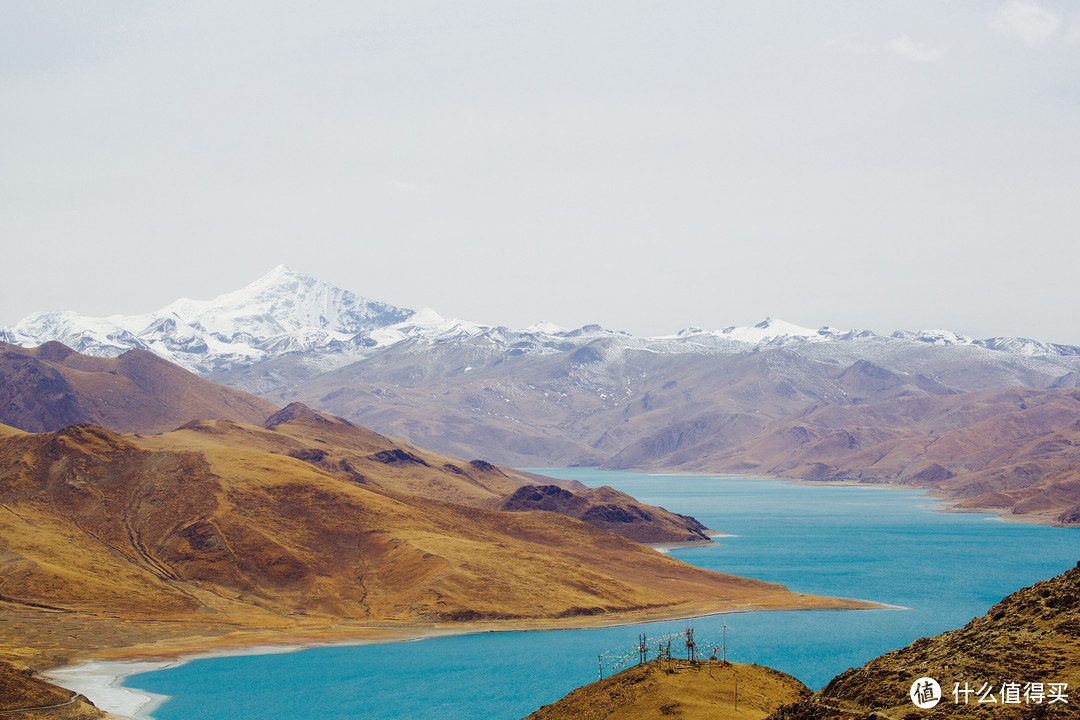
{"x":648,"y":166}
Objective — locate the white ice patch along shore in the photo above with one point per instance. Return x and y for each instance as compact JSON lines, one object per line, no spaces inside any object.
{"x":99,"y":681}
{"x":666,"y":548}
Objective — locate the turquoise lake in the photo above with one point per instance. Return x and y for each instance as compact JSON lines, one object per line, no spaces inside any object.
{"x":881,"y":544}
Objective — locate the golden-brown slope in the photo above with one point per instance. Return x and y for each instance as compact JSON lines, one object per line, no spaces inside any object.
{"x":354,"y":453}
{"x":1029,"y":642}
{"x":52,"y":386}
{"x":1030,"y":637}
{"x":23,"y":696}
{"x":92,"y":526}
{"x":359,"y":455}
{"x":680,"y":688}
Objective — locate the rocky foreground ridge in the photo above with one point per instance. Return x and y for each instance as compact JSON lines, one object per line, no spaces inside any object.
{"x":698,"y":690}
{"x":1022,"y":659}
{"x":24,"y":696}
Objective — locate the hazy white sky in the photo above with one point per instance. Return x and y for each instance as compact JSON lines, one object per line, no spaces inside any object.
{"x":644,"y":165}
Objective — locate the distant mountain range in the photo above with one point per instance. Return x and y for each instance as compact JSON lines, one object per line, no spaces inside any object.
{"x":773,"y":398}
{"x":286,"y":313}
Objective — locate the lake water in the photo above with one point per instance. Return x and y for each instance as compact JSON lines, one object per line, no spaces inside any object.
{"x":881,"y":544}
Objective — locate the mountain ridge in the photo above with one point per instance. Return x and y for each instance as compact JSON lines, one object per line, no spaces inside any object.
{"x":700,"y":400}
{"x":286,"y":312}
{"x":52,"y":386}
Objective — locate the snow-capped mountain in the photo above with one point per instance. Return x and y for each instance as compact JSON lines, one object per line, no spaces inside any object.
{"x":323,"y":327}
{"x":773,"y":397}
{"x":281,"y":312}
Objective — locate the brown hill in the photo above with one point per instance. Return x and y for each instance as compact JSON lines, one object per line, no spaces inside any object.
{"x":609,"y":509}
{"x":52,"y":386}
{"x":1015,"y":451}
{"x":616,"y":401}
{"x":175,"y":534}
{"x":359,"y":455}
{"x":1030,"y":637}
{"x":680,"y":688}
{"x":24,"y":696}
{"x":797,"y":412}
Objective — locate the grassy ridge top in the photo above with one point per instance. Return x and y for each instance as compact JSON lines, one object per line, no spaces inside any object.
{"x":680,"y":688}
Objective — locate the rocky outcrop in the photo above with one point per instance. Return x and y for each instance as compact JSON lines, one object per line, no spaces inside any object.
{"x":611,"y":510}
{"x":1027,"y":646}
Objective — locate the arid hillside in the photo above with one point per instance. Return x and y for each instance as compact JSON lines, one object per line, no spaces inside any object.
{"x":24,"y":696}
{"x":108,"y":538}
{"x":1026,"y":650}
{"x":699,"y":690}
{"x":52,"y":386}
{"x":1015,"y":451}
{"x":1027,"y":647}
{"x":358,"y":455}
{"x":609,"y":509}
{"x":984,"y":428}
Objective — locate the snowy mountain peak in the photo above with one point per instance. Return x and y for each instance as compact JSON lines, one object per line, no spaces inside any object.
{"x":427,"y":316}
{"x":933,"y":337}
{"x":322,"y":327}
{"x":280,"y":269}
{"x":545,"y":328}
{"x":284,"y":302}
{"x":282,"y":311}
{"x":770,"y":330}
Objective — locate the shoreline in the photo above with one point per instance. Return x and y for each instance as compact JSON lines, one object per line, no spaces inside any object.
{"x":711,"y":542}
{"x":101,"y":679}
{"x":100,"y":676}
{"x":949,"y":504}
